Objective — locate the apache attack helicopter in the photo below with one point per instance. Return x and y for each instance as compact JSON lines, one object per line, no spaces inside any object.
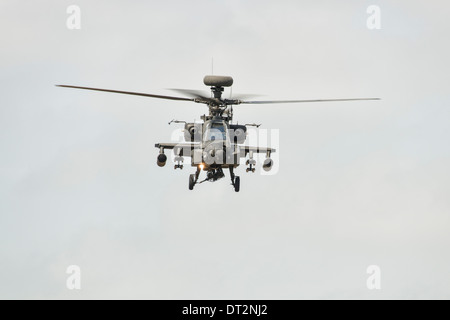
{"x":216,"y":143}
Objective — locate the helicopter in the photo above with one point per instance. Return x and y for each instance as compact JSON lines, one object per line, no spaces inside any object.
{"x":215,"y":144}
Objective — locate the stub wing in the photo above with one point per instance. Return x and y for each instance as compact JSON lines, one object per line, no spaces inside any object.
{"x":181,"y":149}
{"x":245,"y":150}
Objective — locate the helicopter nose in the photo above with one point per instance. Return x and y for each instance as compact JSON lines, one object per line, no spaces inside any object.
{"x":219,"y":156}
{"x":214,"y":154}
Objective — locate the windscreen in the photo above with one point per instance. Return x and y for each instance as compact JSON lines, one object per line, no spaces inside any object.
{"x":216,"y":132}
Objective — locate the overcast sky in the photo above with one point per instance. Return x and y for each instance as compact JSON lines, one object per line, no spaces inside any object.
{"x":359,"y":183}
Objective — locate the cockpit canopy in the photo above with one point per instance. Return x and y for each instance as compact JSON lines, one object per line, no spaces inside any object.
{"x":215,"y":131}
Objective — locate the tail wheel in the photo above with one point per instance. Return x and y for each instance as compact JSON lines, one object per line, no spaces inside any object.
{"x":237,"y":184}
{"x":191,"y":181}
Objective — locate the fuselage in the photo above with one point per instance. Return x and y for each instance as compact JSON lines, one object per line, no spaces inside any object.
{"x":218,"y":151}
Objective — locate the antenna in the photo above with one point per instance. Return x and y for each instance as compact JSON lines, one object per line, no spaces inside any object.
{"x":212,"y":72}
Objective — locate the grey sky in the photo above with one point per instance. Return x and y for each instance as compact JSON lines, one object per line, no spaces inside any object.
{"x":359,"y":183}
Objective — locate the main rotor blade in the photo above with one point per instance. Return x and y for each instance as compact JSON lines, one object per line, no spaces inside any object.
{"x":304,"y":101}
{"x":204,"y":95}
{"x":131,"y":93}
{"x":242,"y":96}
{"x":193,"y":93}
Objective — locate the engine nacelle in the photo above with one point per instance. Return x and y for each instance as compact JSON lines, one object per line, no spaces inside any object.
{"x":161,"y":160}
{"x":193,"y":132}
{"x":268,"y":164}
{"x":238,"y":133}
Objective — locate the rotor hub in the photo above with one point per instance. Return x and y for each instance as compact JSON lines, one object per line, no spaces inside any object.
{"x":217,"y":92}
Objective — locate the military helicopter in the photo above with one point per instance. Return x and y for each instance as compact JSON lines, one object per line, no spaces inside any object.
{"x":216,"y":143}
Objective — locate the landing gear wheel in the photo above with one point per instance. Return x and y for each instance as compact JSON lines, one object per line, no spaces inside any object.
{"x":237,"y":184}
{"x":191,"y":181}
